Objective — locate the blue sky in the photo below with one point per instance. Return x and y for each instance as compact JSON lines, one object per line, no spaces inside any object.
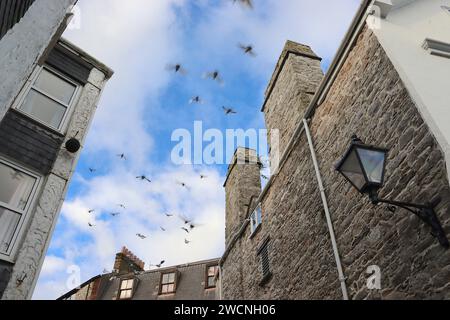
{"x":144,"y":103}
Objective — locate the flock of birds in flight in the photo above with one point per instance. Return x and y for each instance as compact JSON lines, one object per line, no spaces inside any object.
{"x":189,"y":224}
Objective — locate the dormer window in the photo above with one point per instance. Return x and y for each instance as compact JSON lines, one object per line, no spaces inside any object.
{"x":126,"y":289}
{"x":255,"y":220}
{"x":48,"y":98}
{"x":168,"y":283}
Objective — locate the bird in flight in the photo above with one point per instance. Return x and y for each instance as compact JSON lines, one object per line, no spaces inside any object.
{"x":214,"y":75}
{"x":141,"y":236}
{"x":169,"y":215}
{"x":122,"y":156}
{"x":186,"y":241}
{"x":115,"y":214}
{"x":163,"y":229}
{"x":185,"y":219}
{"x":247,"y":3}
{"x":177,"y":68}
{"x":184,"y":185}
{"x":196,"y":100}
{"x":185,"y":229}
{"x":158,"y":265}
{"x":91,"y":225}
{"x":122,"y":206}
{"x":228,"y":111}
{"x":92,"y":170}
{"x":91,"y":211}
{"x":143,"y":178}
{"x":202,"y":176}
{"x":264,"y":177}
{"x":247,"y":49}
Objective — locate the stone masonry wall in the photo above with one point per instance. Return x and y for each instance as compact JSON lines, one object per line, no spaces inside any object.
{"x":369,"y":99}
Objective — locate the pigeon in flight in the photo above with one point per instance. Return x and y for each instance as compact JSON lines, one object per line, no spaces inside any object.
{"x":185,"y":229}
{"x":177,"y":68}
{"x":169,"y":215}
{"x":92,"y":170}
{"x":196,"y":100}
{"x":247,"y":3}
{"x":228,"y":111}
{"x":115,"y":214}
{"x":91,"y":225}
{"x":144,"y":178}
{"x":122,"y":156}
{"x":264,"y":177}
{"x":184,"y":185}
{"x":202,"y":176}
{"x":122,"y":206}
{"x":186,"y":241}
{"x":91,"y":211}
{"x":214,"y":75}
{"x":163,"y":229}
{"x":141,"y":236}
{"x":247,"y":49}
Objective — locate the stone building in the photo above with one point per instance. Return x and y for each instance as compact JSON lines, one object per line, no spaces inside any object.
{"x":49,"y":91}
{"x":129,"y":281}
{"x":309,"y":234}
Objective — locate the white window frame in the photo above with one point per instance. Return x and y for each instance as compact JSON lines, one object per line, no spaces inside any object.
{"x":31,"y":85}
{"x":255,"y":217}
{"x":25,"y":214}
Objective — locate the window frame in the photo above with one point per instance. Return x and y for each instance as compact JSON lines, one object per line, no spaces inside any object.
{"x":120,"y":290}
{"x":255,"y":229}
{"x":161,"y":284}
{"x":25,"y":215}
{"x":30,"y":85}
{"x":207,"y":286}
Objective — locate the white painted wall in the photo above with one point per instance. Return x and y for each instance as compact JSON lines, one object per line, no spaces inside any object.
{"x":426,"y":77}
{"x":26,"y":42}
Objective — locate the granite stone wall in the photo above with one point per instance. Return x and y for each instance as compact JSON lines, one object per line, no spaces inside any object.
{"x":368,"y":99}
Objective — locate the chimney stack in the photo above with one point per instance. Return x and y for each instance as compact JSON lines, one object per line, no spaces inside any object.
{"x":242,"y":186}
{"x":294,"y":82}
{"x":127,"y":262}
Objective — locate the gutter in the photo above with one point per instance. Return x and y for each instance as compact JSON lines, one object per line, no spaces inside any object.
{"x":344,"y":49}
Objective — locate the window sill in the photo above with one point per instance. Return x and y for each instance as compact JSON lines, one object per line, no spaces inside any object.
{"x":266,"y":279}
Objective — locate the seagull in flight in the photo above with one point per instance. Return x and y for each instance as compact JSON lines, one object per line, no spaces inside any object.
{"x":177,"y":68}
{"x":196,"y":100}
{"x":141,"y":236}
{"x":228,"y":111}
{"x":214,"y":75}
{"x":122,"y":156}
{"x":144,"y":178}
{"x":185,"y":219}
{"x":185,"y":229}
{"x":247,"y":3}
{"x":247,"y":49}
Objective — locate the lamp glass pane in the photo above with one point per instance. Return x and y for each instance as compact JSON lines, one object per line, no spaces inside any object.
{"x":351,"y":169}
{"x":373,"y":163}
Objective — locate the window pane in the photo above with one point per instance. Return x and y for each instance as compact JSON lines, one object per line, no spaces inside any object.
{"x":211,"y":282}
{"x":165,"y":278}
{"x":15,"y":187}
{"x":8,"y":224}
{"x":352,"y":170}
{"x":211,"y":271}
{"x":125,"y":294}
{"x":43,"y":108}
{"x":373,"y":162}
{"x":170,"y":288}
{"x":55,"y":86}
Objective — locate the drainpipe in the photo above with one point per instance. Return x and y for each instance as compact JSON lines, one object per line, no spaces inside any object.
{"x":327,"y":211}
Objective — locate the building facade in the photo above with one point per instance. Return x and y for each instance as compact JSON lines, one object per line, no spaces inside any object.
{"x":309,"y":234}
{"x":48,"y":96}
{"x":129,"y":281}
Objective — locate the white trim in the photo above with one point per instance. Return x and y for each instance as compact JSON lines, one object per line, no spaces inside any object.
{"x":31,"y":85}
{"x":25,"y":214}
{"x":257,"y":218}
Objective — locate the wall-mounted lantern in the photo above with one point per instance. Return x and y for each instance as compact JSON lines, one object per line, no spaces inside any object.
{"x":73,"y":144}
{"x":364,"y":167}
